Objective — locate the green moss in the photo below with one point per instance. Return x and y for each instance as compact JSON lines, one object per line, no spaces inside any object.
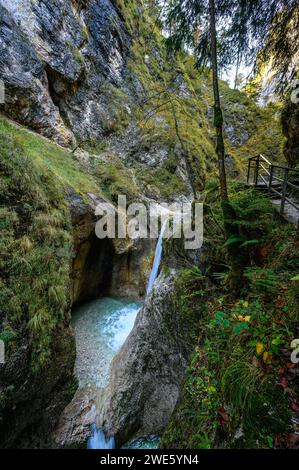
{"x":160,"y":183}
{"x":35,"y":246}
{"x":49,"y":159}
{"x":78,"y":56}
{"x":85,"y":33}
{"x":117,"y":117}
{"x":114,"y":177}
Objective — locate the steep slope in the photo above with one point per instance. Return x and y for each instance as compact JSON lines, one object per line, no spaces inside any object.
{"x":96,"y":74}
{"x":51,"y":259}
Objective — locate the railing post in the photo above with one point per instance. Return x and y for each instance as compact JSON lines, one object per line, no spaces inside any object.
{"x":248,"y":172}
{"x":271,"y":178}
{"x":284,"y":190}
{"x":257,"y":170}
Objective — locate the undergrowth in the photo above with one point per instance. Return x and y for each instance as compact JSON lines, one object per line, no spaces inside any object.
{"x":241,"y":387}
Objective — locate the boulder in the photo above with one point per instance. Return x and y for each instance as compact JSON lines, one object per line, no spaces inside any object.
{"x":147,"y":373}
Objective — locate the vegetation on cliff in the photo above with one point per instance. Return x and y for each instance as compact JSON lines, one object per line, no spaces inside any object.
{"x":36,"y":243}
{"x":173,"y":115}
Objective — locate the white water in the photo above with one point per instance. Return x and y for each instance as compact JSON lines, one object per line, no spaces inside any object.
{"x":98,"y":440}
{"x":157,"y":262}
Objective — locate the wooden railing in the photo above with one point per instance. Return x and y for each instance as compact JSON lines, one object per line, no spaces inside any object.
{"x":280,"y":180}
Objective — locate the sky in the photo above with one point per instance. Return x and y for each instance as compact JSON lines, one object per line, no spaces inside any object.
{"x":230,"y":75}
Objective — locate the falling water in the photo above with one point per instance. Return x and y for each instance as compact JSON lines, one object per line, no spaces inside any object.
{"x":98,"y":440}
{"x":157,"y":261}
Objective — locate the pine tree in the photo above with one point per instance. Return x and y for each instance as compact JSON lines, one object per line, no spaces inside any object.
{"x":264,"y":31}
{"x":193,"y":23}
{"x":226,"y":32}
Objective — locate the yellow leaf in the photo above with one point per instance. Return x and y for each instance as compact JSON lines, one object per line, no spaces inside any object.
{"x":267,"y":357}
{"x":245,"y":305}
{"x":259,"y":348}
{"x":247,"y":318}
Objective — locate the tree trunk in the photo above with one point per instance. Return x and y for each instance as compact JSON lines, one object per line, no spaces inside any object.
{"x":218,"y":116}
{"x":237,"y":70}
{"x":184,"y":151}
{"x":238,"y":257}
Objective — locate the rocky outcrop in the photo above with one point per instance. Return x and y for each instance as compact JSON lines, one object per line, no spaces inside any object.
{"x":113,"y":267}
{"x":147,"y":373}
{"x":64,"y":52}
{"x":290,"y":125}
{"x":31,"y":404}
{"x":92,"y":263}
{"x":75,"y":423}
{"x":131,"y":269}
{"x":27,"y":96}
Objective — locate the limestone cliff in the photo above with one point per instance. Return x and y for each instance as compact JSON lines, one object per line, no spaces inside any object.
{"x":96,"y":74}
{"x":64,"y":53}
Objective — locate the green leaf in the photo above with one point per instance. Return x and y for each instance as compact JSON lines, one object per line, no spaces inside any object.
{"x":249,"y":242}
{"x":240,"y":328}
{"x":233,"y":239}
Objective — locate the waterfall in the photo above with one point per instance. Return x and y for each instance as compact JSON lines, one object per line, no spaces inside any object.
{"x":157,"y":261}
{"x":98,"y":440}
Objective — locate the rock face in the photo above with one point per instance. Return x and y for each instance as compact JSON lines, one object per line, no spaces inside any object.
{"x":92,"y":264}
{"x":63,"y":53}
{"x":75,"y":423}
{"x":29,"y":416}
{"x":290,"y":124}
{"x":131,"y":269}
{"x":105,"y":267}
{"x":66,"y":71}
{"x":147,"y":373}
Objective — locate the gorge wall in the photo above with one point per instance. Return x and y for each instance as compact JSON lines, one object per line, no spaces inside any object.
{"x":96,"y":74}
{"x":290,"y":125}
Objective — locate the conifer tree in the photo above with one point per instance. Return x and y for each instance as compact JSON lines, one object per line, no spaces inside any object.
{"x":225,"y":32}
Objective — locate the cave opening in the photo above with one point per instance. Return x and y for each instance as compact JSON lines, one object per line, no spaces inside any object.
{"x":92,"y":270}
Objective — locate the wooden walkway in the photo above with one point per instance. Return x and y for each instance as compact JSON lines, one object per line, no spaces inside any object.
{"x":281,"y":183}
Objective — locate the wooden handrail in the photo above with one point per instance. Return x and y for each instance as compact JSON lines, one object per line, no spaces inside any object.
{"x":261,"y":157}
{"x":268,"y":177}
